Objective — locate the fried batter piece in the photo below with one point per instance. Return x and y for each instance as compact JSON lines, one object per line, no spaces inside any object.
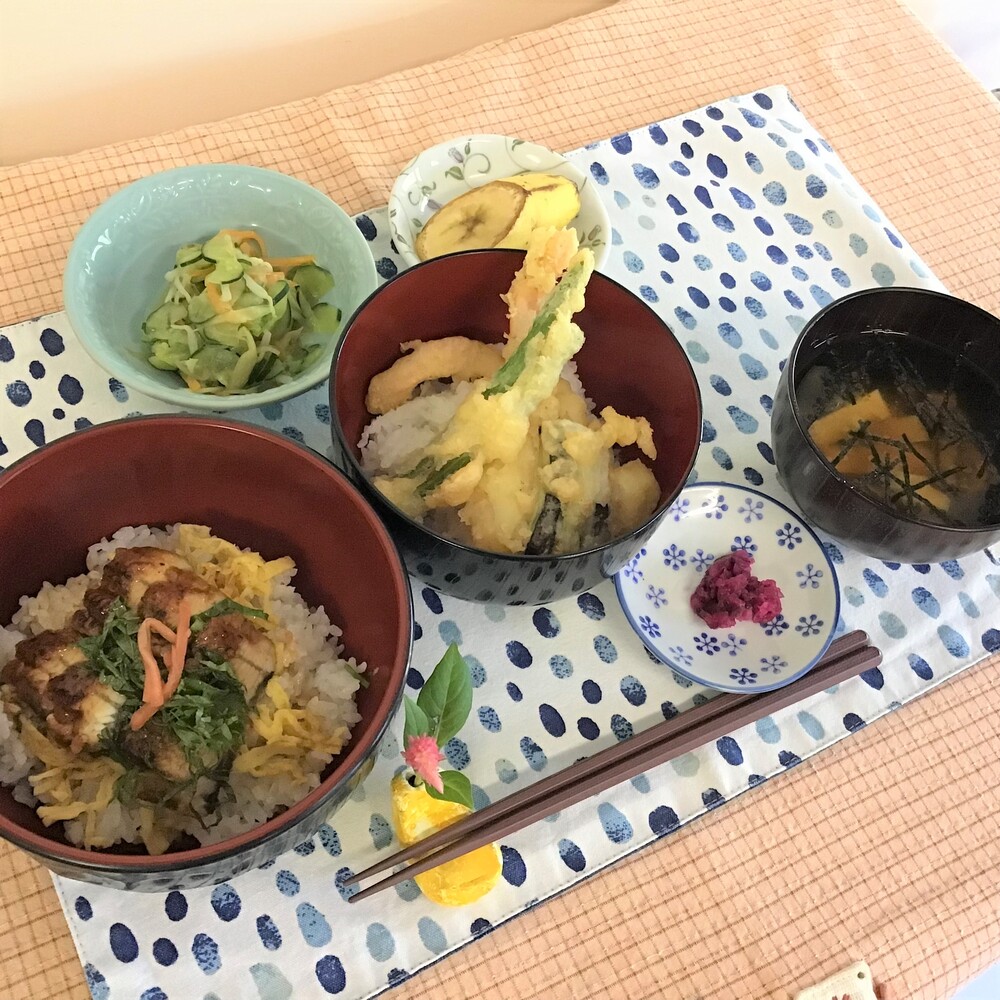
{"x":458,"y":358}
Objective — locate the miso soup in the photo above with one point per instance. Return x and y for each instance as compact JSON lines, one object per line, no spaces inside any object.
{"x":910,"y":425}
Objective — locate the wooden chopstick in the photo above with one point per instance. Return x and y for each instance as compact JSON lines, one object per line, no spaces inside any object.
{"x":725,"y":713}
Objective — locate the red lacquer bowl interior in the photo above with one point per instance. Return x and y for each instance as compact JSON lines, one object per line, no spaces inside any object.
{"x":251,"y":487}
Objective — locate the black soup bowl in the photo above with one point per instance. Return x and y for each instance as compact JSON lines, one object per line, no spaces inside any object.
{"x":960,"y":336}
{"x":630,"y":361}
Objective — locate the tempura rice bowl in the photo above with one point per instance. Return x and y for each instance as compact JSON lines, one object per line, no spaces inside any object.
{"x":630,"y":360}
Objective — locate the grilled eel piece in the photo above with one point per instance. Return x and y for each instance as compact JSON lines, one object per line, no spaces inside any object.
{"x":49,"y":676}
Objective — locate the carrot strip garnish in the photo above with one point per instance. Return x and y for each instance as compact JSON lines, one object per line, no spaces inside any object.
{"x":155,"y":625}
{"x":179,"y":651}
{"x":287,"y":263}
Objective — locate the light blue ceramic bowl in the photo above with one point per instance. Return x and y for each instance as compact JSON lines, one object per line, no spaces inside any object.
{"x":119,"y":257}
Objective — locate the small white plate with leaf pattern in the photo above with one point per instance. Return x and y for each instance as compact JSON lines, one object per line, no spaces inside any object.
{"x":443,"y":172}
{"x":708,"y":521}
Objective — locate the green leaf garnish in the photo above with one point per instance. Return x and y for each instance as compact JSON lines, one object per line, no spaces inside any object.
{"x":226,"y":606}
{"x":447,"y":695}
{"x":207,"y":714}
{"x":415,"y":722}
{"x":457,"y":788}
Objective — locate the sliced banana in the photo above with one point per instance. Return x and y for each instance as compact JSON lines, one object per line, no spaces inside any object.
{"x":502,"y":213}
{"x":478,"y":219}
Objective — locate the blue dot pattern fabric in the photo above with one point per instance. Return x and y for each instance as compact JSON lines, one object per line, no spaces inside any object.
{"x":736,"y":223}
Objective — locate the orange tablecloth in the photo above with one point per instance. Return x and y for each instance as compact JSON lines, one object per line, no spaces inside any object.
{"x":883,"y":847}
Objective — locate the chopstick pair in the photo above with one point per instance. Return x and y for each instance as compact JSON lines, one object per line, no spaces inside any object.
{"x":847,"y":656}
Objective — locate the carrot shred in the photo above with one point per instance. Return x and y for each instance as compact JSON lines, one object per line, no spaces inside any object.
{"x":142,"y":715}
{"x":287,"y":263}
{"x":179,"y":651}
{"x":152,"y":691}
{"x":160,"y":628}
{"x":214,"y":294}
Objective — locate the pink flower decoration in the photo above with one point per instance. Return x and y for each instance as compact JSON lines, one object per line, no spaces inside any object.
{"x":423,"y":755}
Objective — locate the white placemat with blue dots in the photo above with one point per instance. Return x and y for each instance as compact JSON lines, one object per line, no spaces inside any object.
{"x":736,"y":222}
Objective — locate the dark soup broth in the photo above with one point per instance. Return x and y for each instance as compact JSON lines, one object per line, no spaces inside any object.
{"x":909,"y":424}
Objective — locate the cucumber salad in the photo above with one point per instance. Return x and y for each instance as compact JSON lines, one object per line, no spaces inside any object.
{"x":233,"y":320}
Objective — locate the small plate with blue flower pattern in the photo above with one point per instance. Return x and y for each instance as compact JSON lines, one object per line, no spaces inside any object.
{"x":708,"y":521}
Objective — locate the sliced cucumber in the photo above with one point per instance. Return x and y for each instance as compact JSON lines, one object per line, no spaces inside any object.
{"x":314,"y":281}
{"x":283,"y":320}
{"x":211,"y":364}
{"x":262,"y":369}
{"x":246,"y":299}
{"x":188,"y":254}
{"x":167,"y":357}
{"x":325,"y":318}
{"x":281,"y":289}
{"x":219,"y":247}
{"x":304,"y":361}
{"x":158,"y":322}
{"x":226,"y":271}
{"x":220,"y":331}
{"x":304,"y":307}
{"x":200,"y":309}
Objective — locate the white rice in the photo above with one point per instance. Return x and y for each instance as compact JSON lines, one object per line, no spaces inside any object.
{"x":390,"y":443}
{"x":318,"y":678}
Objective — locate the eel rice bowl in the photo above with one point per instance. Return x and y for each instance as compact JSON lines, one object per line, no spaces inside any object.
{"x":181,"y":691}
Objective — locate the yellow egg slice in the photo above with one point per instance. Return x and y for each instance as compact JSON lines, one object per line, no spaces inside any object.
{"x":415,"y":815}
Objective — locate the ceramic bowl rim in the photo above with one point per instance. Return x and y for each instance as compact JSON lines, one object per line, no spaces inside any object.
{"x":870,"y":502}
{"x":103,"y":216}
{"x":395,"y":194}
{"x":521,"y":558}
{"x":757,"y":688}
{"x":276,"y":826}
